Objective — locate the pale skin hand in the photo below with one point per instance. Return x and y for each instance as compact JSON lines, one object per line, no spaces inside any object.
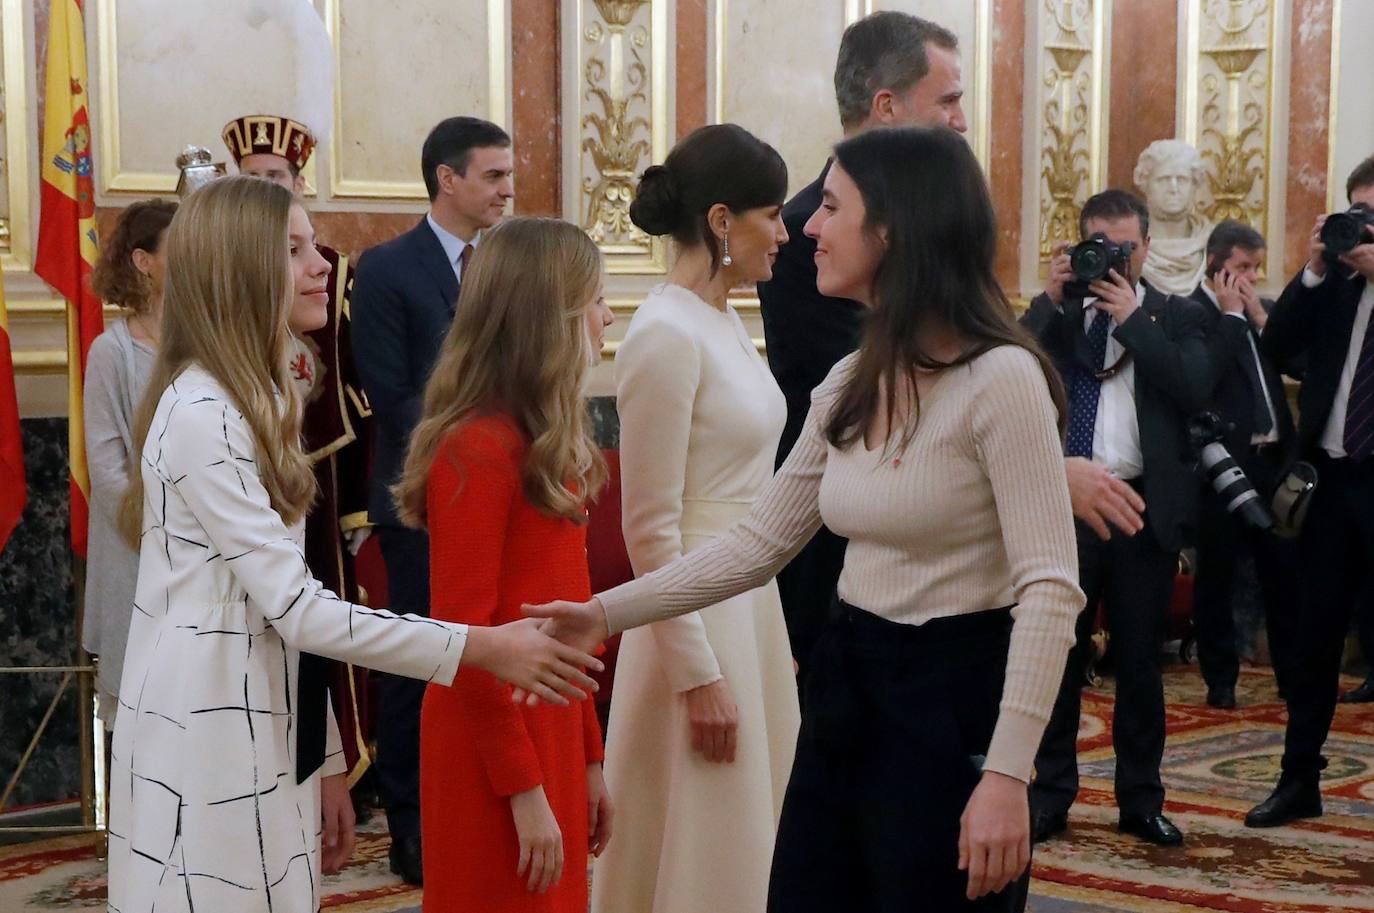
{"x":1101,"y":500}
{"x":541,"y":840}
{"x":1230,"y":290}
{"x":534,"y":662}
{"x":714,"y":720}
{"x":1361,"y":259}
{"x":336,"y":812}
{"x":1116,"y":296}
{"x":1060,"y":273}
{"x":1316,"y":260}
{"x":600,"y":811}
{"x":994,"y":834}
{"x":582,"y":625}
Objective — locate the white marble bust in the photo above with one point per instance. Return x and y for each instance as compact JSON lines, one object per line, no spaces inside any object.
{"x":1169,"y":174}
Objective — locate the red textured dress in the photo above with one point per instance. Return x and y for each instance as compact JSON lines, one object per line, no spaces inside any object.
{"x":490,"y":552}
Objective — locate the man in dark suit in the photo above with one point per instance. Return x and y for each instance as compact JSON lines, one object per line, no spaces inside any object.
{"x":1247,"y":393}
{"x":405,"y":293}
{"x":1135,"y":363}
{"x":894,"y":69}
{"x":1325,"y":314}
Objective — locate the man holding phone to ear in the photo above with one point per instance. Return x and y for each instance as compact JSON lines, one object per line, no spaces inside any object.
{"x":1246,"y":391}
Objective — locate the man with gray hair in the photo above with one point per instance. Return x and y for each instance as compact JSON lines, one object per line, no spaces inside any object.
{"x":1169,"y":174}
{"x":894,"y":69}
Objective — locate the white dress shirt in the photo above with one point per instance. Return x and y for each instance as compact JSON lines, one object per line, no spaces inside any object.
{"x":1333,"y":436}
{"x":1116,"y":432}
{"x":1273,"y":435}
{"x":452,"y":244}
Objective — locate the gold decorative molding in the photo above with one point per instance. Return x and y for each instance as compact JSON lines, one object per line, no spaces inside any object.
{"x":16,"y":245}
{"x":1073,"y":151}
{"x":498,"y":105}
{"x":615,"y":116}
{"x":1229,"y":76}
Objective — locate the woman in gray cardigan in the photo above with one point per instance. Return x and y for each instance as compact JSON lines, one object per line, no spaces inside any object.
{"x":129,"y":274}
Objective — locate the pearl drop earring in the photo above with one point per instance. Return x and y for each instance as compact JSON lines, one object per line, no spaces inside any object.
{"x":727,"y":260}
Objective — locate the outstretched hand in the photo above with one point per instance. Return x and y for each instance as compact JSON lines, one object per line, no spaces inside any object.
{"x":580,"y":625}
{"x":521,"y":653}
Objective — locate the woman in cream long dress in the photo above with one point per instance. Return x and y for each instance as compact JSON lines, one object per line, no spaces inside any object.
{"x":700,"y":418}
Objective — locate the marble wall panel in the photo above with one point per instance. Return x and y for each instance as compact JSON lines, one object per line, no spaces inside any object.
{"x":403,"y":65}
{"x":38,"y":624}
{"x":1144,"y":64}
{"x":1352,"y":113}
{"x":536,"y":127}
{"x":1309,"y":97}
{"x":773,"y":74}
{"x":1004,"y":165}
{"x":690,"y":26}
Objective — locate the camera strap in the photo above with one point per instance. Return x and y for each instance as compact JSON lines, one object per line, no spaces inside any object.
{"x":1102,"y":375}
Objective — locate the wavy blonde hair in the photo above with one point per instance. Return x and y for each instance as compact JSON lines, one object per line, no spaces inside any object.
{"x":226,"y":302}
{"x":519,"y":346}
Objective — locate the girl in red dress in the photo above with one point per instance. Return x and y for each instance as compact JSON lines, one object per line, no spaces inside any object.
{"x":500,"y":469}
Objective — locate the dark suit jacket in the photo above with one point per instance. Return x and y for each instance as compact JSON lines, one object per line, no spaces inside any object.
{"x":1315,"y":323}
{"x":806,"y":332}
{"x":1168,"y":345}
{"x":1231,"y":394}
{"x":404,"y":296}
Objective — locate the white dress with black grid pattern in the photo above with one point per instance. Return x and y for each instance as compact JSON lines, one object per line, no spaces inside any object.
{"x":205,"y":810}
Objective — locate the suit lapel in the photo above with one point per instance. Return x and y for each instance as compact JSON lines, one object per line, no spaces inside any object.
{"x":431,"y":254}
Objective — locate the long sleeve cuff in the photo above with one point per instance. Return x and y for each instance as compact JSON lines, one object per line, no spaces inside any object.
{"x":1015,"y":741}
{"x":632,"y":604}
{"x":448,"y":667}
{"x":1311,"y":279}
{"x":356,"y":520}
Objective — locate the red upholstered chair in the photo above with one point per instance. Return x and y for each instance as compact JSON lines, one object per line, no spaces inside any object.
{"x":608,"y":563}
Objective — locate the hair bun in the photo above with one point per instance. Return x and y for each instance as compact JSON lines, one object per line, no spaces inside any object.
{"x":657,"y":206}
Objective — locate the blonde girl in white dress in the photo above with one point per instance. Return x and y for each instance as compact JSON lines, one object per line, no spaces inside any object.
{"x":704,"y":716}
{"x":206,"y":812}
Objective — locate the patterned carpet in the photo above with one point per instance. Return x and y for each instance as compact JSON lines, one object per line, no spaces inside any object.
{"x":1218,"y":764}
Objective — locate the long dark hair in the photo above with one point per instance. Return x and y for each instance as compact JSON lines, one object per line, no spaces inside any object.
{"x":718,"y":163}
{"x":923,"y":186}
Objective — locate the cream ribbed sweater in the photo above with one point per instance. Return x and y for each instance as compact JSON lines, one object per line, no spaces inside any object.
{"x":973,"y":515}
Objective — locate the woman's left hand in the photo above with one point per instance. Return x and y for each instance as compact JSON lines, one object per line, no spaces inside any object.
{"x":336,"y":811}
{"x":600,"y":812}
{"x":994,"y":834}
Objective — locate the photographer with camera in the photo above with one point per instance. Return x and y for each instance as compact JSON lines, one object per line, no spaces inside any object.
{"x":1324,"y":314}
{"x":1135,"y":362}
{"x":1247,"y":394}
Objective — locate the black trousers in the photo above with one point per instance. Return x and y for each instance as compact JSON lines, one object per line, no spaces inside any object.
{"x":1222,"y":540}
{"x":406,"y":553}
{"x":1335,"y":548}
{"x":806,"y":588}
{"x":1133,"y":576}
{"x":896,"y":722}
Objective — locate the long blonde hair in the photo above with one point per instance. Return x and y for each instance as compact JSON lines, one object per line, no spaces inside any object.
{"x":226,"y":302}
{"x":519,"y":345}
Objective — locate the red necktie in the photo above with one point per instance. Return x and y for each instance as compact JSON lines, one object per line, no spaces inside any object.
{"x":465,"y":258}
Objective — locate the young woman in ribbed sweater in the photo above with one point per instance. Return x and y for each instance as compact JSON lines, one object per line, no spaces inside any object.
{"x":936,"y":450}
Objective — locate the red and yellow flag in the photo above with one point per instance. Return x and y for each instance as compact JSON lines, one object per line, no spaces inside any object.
{"x":67,"y":242}
{"x":13,"y":489}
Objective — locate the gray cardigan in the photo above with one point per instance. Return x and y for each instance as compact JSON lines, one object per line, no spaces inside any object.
{"x":117,"y":372}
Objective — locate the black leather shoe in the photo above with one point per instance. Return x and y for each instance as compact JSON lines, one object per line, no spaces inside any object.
{"x":1289,"y":802}
{"x":1045,"y":825}
{"x":1364,"y":694}
{"x":405,"y":860}
{"x":1155,"y":829}
{"x":1222,"y":697}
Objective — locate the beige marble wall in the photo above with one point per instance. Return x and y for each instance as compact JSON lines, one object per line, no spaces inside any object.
{"x":1352,"y":117}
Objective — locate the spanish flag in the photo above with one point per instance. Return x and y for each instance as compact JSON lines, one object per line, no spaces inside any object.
{"x":13,"y":490}
{"x":66,"y":233}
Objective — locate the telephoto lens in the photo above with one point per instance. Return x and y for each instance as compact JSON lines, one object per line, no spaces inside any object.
{"x":1206,"y":431}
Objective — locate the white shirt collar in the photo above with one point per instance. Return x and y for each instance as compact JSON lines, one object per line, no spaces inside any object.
{"x":452,"y":244}
{"x":1211,"y":295}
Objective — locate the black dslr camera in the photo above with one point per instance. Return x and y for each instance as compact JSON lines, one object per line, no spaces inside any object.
{"x":1206,"y":430}
{"x":1344,"y":231}
{"x":1093,"y":259}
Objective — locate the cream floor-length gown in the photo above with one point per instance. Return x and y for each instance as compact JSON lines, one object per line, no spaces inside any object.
{"x":700,"y":418}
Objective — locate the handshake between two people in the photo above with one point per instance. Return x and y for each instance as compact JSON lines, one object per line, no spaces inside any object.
{"x":561,"y":638}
